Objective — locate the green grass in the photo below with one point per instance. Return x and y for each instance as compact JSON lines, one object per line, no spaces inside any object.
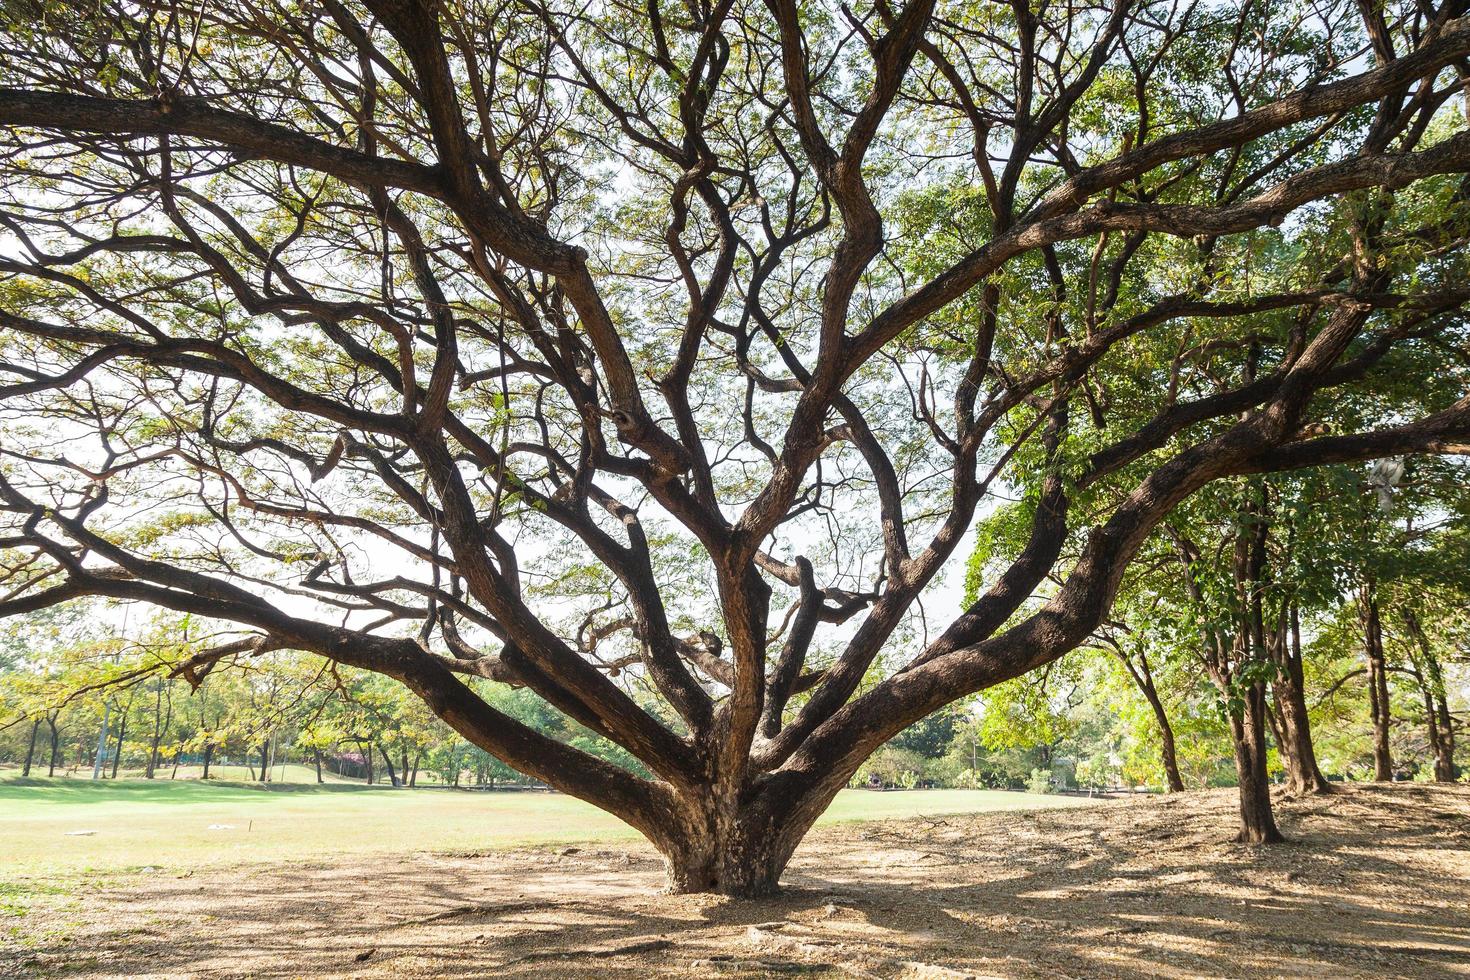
{"x":290,"y":772}
{"x":167,"y":824}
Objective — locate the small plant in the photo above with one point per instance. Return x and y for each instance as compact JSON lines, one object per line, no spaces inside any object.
{"x":1040,"y":781}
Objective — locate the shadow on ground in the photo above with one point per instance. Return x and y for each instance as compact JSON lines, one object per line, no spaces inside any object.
{"x":1376,"y":883}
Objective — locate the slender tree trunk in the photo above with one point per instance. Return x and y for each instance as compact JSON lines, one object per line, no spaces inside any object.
{"x":1436,"y":703}
{"x":31,"y":748}
{"x":1303,"y":775}
{"x":1248,"y":733}
{"x":1377,"y":684}
{"x":1274,"y":724}
{"x":265,"y":749}
{"x":1166,"y":734}
{"x":208,"y":755}
{"x":388,"y":762}
{"x":101,"y":754}
{"x":1248,"y":723}
{"x":122,"y":728}
{"x":55,"y":740}
{"x":1444,"y":765}
{"x":1431,"y":723}
{"x":318,"y":754}
{"x":152,"y":765}
{"x":1298,"y":755}
{"x":158,"y":727}
{"x":413,"y":779}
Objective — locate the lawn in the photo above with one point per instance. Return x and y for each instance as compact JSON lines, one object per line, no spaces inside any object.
{"x":74,"y":825}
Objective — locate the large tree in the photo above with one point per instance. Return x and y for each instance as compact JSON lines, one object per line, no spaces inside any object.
{"x":656,"y":358}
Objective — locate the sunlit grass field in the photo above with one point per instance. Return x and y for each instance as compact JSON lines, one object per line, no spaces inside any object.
{"x":51,"y":826}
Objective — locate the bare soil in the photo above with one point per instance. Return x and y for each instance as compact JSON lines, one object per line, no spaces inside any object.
{"x":1375,"y":884}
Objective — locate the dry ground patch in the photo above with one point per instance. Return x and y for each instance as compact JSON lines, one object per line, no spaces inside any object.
{"x":1376,"y":884}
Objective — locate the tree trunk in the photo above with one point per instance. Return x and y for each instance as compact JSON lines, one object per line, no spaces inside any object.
{"x":1444,"y":765}
{"x":1248,"y":722}
{"x":122,"y":729}
{"x":1431,"y":724}
{"x":265,"y":750}
{"x":413,"y":779}
{"x":392,"y":776}
{"x":158,"y":727}
{"x":31,"y":748}
{"x":742,"y":868}
{"x":318,"y":754}
{"x":1436,"y":703}
{"x":741,"y":856}
{"x":1248,"y":733}
{"x":152,"y":765}
{"x":1377,"y":684}
{"x":101,"y":754}
{"x":1299,"y":756}
{"x":208,"y":754}
{"x":1166,"y":740}
{"x":55,"y":739}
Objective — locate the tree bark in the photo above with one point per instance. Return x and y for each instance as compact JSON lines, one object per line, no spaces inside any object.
{"x":1431,"y":723}
{"x":741,"y":854}
{"x":1444,"y":764}
{"x":1436,"y":703}
{"x":388,"y":762}
{"x":1377,"y":683}
{"x":31,"y":748}
{"x":152,"y":766}
{"x":265,"y":749}
{"x":318,"y":755}
{"x":1248,"y":735}
{"x":1444,"y":747}
{"x":1166,"y":731}
{"x":100,"y":756}
{"x":1299,"y":756}
{"x":159,"y":726}
{"x":122,"y":729}
{"x":208,"y":754}
{"x":55,"y":739}
{"x":1248,"y":721}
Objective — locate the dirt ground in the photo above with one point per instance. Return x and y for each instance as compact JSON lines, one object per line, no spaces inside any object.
{"x":1375,"y":884}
